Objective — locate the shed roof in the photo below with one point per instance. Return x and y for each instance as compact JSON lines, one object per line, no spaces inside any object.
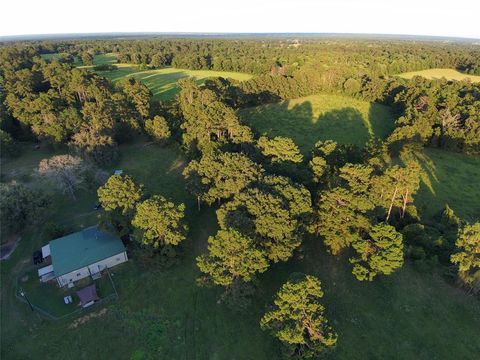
{"x":46,"y":251}
{"x":87,"y":294}
{"x":83,"y":248}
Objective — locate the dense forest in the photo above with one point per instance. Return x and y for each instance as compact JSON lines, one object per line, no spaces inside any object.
{"x":268,"y":196}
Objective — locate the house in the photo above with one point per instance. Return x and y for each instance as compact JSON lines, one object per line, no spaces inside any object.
{"x":82,"y":254}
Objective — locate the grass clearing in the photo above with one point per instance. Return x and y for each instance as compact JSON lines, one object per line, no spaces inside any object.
{"x":321,"y":117}
{"x":449,"y":74}
{"x":449,"y":178}
{"x":163,"y":82}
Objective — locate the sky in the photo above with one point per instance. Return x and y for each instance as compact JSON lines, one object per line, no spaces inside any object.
{"x":459,"y":18}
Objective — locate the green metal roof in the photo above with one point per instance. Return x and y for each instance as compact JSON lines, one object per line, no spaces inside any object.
{"x":80,"y":249}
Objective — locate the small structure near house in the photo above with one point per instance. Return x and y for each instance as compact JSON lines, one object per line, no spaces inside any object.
{"x":82,"y":254}
{"x":88,"y":296}
{"x":46,"y":273}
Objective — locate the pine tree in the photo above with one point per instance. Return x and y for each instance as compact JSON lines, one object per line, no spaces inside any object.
{"x":159,"y":222}
{"x":379,"y":253}
{"x":298,"y":318}
{"x":280,"y":149}
{"x":231,"y":256}
{"x":468,"y":256}
{"x":219,"y":176}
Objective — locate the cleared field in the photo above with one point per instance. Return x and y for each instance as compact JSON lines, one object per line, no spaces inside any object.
{"x":163,"y":82}
{"x":449,"y":74}
{"x":321,"y":117}
{"x":162,"y":313}
{"x":449,"y":178}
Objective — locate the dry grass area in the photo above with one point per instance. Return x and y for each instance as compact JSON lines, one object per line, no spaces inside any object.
{"x":449,"y":74}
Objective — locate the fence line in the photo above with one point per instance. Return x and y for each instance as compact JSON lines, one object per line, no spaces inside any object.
{"x":75,"y":312}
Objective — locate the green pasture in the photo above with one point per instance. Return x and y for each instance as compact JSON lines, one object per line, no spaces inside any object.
{"x":163,"y":82}
{"x":449,"y":74}
{"x":321,"y":117}
{"x":449,"y":178}
{"x":161,"y":313}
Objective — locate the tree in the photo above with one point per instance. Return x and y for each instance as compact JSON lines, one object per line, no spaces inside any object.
{"x":158,"y":129}
{"x":138,"y":94}
{"x":7,"y":144}
{"x":159,"y":222}
{"x":318,"y":166}
{"x":341,"y":218}
{"x":120,"y":193}
{"x":208,"y":122}
{"x":380,"y":253}
{"x":87,"y":58}
{"x":273,"y":213}
{"x":21,"y":206}
{"x":468,"y":256}
{"x":97,"y":145}
{"x":220,"y":175}
{"x":64,"y":171}
{"x":280,"y":149}
{"x":298,"y":318}
{"x":231,"y":256}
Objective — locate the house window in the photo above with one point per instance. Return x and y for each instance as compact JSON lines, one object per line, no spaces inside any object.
{"x":117,"y":259}
{"x":78,"y":274}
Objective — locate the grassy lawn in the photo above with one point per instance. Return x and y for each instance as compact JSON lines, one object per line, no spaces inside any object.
{"x":321,"y":117}
{"x":49,"y":297}
{"x":162,"y":313}
{"x":449,"y":178}
{"x":449,"y":74}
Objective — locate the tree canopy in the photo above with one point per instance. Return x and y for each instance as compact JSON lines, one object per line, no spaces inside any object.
{"x":298,"y":318}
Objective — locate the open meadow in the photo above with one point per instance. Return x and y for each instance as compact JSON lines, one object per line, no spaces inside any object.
{"x":161,"y":82}
{"x":321,"y":117}
{"x":449,"y":74}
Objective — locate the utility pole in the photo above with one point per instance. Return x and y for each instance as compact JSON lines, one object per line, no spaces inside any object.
{"x":22,"y":293}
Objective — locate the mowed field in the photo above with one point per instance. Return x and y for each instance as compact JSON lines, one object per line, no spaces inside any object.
{"x":449,"y":178}
{"x":163,"y":314}
{"x":163,"y":82}
{"x":449,"y":74}
{"x":321,"y":117}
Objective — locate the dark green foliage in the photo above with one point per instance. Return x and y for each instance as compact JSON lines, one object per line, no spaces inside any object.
{"x":119,"y":197}
{"x":273,"y":213}
{"x":380,"y":253}
{"x":158,"y":129}
{"x":231,"y":257}
{"x":21,"y":207}
{"x":208,"y":122}
{"x":159,"y":222}
{"x":7,"y":144}
{"x":467,"y":256}
{"x":219,"y":176}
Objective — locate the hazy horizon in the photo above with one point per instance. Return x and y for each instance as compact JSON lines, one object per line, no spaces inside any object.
{"x":374,"y":17}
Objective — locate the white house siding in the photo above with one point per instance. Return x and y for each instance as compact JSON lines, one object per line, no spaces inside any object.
{"x":92,"y":268}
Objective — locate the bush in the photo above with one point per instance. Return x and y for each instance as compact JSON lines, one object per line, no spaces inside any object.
{"x":7,"y":144}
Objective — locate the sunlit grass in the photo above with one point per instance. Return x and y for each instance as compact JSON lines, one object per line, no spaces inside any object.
{"x":449,"y":74}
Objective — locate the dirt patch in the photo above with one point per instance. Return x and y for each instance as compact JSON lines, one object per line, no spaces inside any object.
{"x":86,"y":318}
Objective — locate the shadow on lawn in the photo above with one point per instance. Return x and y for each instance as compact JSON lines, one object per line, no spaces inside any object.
{"x":344,"y":125}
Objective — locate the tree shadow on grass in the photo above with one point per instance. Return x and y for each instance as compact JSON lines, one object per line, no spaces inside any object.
{"x":345,"y":125}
